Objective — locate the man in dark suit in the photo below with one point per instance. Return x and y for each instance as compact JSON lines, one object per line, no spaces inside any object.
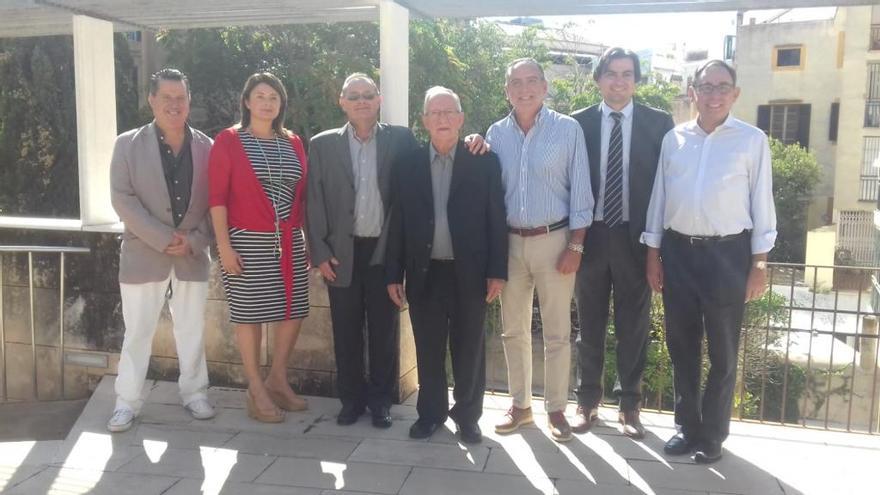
{"x":448,"y":237}
{"x":623,"y":143}
{"x":349,"y":174}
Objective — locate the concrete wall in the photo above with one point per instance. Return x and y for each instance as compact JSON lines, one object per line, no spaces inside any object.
{"x":817,"y":84}
{"x":856,"y":23}
{"x":93,"y":325}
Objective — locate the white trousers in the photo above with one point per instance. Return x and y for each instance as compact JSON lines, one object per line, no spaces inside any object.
{"x":141,"y":306}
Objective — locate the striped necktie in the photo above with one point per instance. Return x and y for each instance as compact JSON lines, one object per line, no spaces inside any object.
{"x":613,"y":208}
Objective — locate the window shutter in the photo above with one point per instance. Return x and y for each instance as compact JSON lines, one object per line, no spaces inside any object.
{"x":764,"y":118}
{"x":832,"y":126}
{"x":803,"y":132}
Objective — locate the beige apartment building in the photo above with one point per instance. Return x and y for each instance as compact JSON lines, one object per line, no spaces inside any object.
{"x":817,"y":83}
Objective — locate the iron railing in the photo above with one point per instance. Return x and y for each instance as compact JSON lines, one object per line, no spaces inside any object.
{"x":31,"y":250}
{"x":808,"y":352}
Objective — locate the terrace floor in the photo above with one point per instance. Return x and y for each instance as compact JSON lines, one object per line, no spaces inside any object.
{"x":167,"y":452}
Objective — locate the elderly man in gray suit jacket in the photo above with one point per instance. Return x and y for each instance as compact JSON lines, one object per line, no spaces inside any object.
{"x":159,"y":188}
{"x":349,"y":174}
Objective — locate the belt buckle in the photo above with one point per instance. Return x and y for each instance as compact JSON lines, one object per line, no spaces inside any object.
{"x":692,"y":239}
{"x":546,"y":229}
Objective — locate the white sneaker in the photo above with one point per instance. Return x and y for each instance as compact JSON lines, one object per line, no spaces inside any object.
{"x":200,"y":409}
{"x":121,"y":420}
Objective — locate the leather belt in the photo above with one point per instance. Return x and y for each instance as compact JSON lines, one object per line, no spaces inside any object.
{"x":694,"y":240}
{"x":546,"y":229}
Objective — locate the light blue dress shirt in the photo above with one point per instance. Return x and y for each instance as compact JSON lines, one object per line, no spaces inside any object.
{"x":546,"y":173}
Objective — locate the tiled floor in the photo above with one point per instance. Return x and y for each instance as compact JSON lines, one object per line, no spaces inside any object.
{"x":170,"y":453}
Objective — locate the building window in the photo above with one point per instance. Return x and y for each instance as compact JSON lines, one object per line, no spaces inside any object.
{"x":789,"y":123}
{"x":729,"y":47}
{"x":875,"y":37}
{"x":872,"y":100}
{"x":788,"y":57}
{"x":833,"y":122}
{"x":870,"y":169}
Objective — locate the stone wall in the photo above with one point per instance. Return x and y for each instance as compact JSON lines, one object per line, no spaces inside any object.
{"x":93,"y":326}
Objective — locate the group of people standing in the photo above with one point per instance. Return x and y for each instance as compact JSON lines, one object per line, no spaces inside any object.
{"x":602,"y":206}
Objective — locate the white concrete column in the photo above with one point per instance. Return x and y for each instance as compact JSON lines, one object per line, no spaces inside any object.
{"x":394,"y":62}
{"x":95,"y":77}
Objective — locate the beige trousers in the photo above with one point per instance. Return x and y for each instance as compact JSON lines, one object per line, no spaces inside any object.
{"x":532,"y":265}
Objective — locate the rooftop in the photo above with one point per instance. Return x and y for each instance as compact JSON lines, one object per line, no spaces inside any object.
{"x":170,"y":453}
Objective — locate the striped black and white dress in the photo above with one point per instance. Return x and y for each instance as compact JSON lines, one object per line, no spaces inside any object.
{"x":258,"y":294}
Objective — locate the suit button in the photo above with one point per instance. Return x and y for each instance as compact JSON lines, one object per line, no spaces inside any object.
{"x":168,"y":210}
{"x":429,"y":246}
{"x":351,"y":212}
{"x":425,"y":269}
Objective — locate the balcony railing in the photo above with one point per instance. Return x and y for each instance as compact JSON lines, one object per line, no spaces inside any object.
{"x":808,"y":354}
{"x":872,"y":113}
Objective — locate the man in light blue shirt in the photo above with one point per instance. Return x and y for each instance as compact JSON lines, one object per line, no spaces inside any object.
{"x":549,"y":206}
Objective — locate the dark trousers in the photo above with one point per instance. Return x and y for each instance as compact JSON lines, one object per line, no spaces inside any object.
{"x":445,"y":313}
{"x":704,"y":292}
{"x":611,"y":266}
{"x":365,"y":301}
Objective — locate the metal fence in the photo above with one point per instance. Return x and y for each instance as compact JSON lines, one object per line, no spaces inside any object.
{"x":856,"y":236}
{"x":808,"y":353}
{"x":30,"y":251}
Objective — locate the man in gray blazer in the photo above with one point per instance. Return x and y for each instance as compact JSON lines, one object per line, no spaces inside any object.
{"x":159,"y":188}
{"x":349,"y":174}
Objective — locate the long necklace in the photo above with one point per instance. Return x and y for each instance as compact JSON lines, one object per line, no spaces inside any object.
{"x":273,"y":195}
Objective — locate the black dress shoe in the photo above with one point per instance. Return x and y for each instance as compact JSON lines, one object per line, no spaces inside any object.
{"x":381,"y":417}
{"x":679,"y":445}
{"x":349,"y":414}
{"x":708,"y":452}
{"x":470,"y":432}
{"x":423,"y":429}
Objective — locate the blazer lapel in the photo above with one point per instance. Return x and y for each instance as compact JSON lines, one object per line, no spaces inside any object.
{"x":344,"y":151}
{"x":383,"y":159}
{"x":153,"y":162}
{"x":594,"y":147}
{"x":458,"y":171}
{"x":424,"y":177}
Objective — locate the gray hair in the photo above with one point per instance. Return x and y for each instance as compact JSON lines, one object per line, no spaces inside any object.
{"x":523,"y":61}
{"x":437,"y":91}
{"x":358,"y":76}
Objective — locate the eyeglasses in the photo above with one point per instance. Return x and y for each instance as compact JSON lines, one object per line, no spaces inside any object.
{"x":361,"y":96}
{"x":436,"y":114}
{"x":709,"y":89}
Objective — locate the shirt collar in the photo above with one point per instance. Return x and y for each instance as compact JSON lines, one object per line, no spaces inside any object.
{"x":627,"y":111}
{"x":434,"y":153}
{"x":187,"y":134}
{"x":729,"y":122}
{"x":352,"y":134}
{"x":539,"y":117}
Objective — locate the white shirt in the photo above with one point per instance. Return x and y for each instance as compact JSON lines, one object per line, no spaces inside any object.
{"x":607,"y":123}
{"x":713,"y":184}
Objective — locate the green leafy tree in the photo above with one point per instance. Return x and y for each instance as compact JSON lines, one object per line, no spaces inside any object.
{"x":38,"y":149}
{"x":578,"y":90}
{"x":795,"y":174}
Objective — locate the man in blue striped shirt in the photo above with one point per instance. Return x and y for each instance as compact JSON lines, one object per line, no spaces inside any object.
{"x":549,"y":206}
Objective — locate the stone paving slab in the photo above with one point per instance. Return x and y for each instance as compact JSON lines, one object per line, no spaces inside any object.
{"x":426,"y":481}
{"x":207,"y":463}
{"x":409,"y":453}
{"x":314,"y":473}
{"x":193,"y":486}
{"x":74,"y":481}
{"x":309,"y":454}
{"x":311,"y":446}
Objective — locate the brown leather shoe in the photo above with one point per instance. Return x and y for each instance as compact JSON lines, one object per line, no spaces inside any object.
{"x":514,"y":418}
{"x":632,"y":426}
{"x":559,"y":428}
{"x":584,"y":419}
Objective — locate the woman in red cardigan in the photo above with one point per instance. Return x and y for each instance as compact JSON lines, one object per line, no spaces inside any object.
{"x":257,"y":177}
